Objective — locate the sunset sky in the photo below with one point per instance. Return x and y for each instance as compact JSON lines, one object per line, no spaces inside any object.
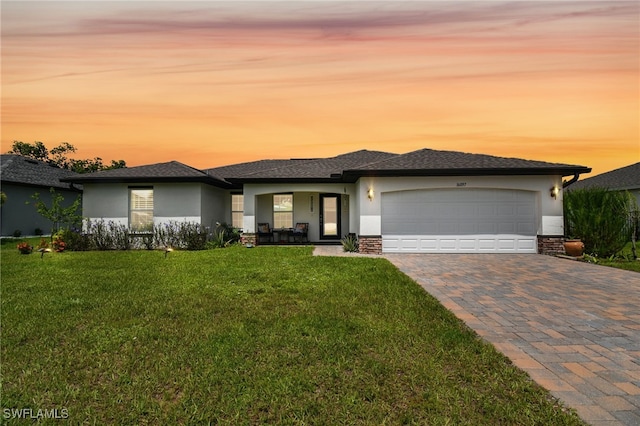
{"x":210,"y":83}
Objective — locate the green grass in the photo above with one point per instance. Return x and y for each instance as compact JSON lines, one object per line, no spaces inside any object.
{"x":270,"y":335}
{"x":623,"y":261}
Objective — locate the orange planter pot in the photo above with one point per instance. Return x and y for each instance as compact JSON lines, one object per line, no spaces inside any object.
{"x":574,"y":248}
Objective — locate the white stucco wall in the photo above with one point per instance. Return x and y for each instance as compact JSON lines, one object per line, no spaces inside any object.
{"x":549,"y":210}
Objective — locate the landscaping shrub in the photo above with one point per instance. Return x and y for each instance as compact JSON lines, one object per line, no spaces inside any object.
{"x":350,"y":243}
{"x":224,"y":236}
{"x":75,"y":240}
{"x":110,"y":235}
{"x":100,"y":236}
{"x":182,"y":235}
{"x":600,"y":218}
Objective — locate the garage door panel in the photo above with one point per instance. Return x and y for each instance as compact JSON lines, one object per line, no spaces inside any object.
{"x":459,"y":220}
{"x":459,"y":244}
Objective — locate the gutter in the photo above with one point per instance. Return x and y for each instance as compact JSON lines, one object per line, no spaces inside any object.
{"x":570,"y":181}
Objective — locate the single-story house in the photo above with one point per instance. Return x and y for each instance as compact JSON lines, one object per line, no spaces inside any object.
{"x":623,"y":179}
{"x":21,"y":178}
{"x":423,"y":201}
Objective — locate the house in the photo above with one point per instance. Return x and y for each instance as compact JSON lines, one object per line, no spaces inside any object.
{"x":421,"y":201}
{"x":623,"y":179}
{"x":21,"y":178}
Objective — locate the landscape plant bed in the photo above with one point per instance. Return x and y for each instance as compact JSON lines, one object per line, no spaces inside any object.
{"x":270,"y":335}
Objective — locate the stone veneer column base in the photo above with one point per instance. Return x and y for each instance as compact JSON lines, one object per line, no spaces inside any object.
{"x":370,"y":244}
{"x":551,"y":245}
{"x":247,"y":238}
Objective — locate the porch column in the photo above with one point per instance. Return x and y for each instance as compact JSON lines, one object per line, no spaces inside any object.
{"x":249,"y":218}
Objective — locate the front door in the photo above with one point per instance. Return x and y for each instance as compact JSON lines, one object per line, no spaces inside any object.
{"x":329,"y":216}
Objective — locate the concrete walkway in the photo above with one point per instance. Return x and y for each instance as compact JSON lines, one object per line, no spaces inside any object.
{"x":573,"y":327}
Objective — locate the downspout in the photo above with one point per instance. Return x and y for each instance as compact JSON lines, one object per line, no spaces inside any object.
{"x":570,"y":181}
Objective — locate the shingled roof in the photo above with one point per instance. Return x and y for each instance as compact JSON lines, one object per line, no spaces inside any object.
{"x":429,"y":162}
{"x":624,"y":178}
{"x":172,"y":171}
{"x":342,"y":168}
{"x":315,"y":169}
{"x":21,"y":170}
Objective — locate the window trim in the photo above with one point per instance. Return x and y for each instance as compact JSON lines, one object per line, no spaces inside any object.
{"x":237,"y":211}
{"x":273,"y":207}
{"x":132,"y":209}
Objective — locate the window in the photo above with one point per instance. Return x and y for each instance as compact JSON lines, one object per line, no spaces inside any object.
{"x":283,"y":211}
{"x":237,"y":210}
{"x":141,"y":209}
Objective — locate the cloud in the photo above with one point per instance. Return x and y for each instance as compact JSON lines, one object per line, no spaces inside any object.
{"x":329,"y":19}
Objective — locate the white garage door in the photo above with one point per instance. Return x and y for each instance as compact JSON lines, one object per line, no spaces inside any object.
{"x":459,"y":220}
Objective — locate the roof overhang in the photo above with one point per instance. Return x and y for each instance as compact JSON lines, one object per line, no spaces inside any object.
{"x":353,"y":175}
{"x":159,"y":179}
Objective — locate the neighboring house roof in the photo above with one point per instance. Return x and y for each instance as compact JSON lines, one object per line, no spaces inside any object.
{"x":173,"y":171}
{"x":342,"y":168}
{"x":21,"y":170}
{"x":622,"y":179}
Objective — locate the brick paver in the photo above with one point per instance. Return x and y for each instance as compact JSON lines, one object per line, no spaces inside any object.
{"x":573,"y":327}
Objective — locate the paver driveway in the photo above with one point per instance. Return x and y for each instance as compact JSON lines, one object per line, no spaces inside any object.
{"x":574,"y":327}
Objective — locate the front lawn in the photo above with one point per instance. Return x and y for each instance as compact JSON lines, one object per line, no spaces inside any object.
{"x":270,"y":335}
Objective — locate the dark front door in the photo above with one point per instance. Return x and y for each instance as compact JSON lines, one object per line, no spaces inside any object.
{"x":329,"y":216}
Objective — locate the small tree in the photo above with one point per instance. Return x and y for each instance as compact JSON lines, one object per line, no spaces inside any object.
{"x":600,"y":218}
{"x":57,"y":213}
{"x":3,"y":198}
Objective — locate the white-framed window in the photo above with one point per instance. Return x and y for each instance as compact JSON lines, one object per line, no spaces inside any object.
{"x":141,"y":209}
{"x":283,"y":211}
{"x":237,"y":210}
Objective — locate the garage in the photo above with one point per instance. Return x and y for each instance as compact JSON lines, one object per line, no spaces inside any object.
{"x":460,"y":220}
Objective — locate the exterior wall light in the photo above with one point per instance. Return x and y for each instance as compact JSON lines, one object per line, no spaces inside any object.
{"x":370,"y":194}
{"x":554,"y":192}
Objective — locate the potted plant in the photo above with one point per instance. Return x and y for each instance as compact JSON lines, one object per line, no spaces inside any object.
{"x":25,"y":248}
{"x":574,"y":247}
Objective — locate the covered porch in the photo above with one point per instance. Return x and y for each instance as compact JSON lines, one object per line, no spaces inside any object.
{"x":311,"y":214}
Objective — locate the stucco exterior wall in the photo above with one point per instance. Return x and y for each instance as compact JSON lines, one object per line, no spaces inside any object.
{"x":549,"y":210}
{"x":192,"y":202}
{"x":16,"y":215}
{"x":215,"y":206}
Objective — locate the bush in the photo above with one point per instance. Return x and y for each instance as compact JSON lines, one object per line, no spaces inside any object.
{"x":224,"y":235}
{"x":350,"y":243}
{"x":74,"y":239}
{"x":600,"y":218}
{"x":102,"y":235}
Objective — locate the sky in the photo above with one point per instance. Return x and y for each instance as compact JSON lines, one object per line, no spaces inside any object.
{"x":211,"y":83}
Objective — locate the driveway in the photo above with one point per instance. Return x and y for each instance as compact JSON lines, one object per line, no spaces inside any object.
{"x":574,"y":327}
